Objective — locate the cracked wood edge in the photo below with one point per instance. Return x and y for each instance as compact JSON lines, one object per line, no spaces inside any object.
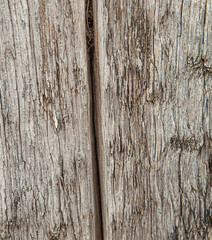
{"x":92,"y":49}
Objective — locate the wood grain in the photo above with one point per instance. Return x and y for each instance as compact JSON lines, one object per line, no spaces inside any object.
{"x":105,"y":119}
{"x":155,"y":81}
{"x":45,"y":146}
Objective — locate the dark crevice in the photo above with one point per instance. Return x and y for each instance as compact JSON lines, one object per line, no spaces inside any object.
{"x":90,"y":41}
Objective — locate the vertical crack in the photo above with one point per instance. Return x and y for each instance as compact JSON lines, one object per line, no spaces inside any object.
{"x":92,"y":76}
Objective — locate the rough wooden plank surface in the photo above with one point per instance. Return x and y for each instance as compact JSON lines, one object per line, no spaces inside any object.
{"x":46,"y":180}
{"x":155,"y":70}
{"x":151,"y":97}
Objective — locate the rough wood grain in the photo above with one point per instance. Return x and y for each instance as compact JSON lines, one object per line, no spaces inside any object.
{"x":155,"y":68}
{"x":135,"y":103}
{"x":46,"y":178}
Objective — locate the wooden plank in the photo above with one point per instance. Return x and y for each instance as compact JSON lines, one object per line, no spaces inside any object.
{"x":46,"y":177}
{"x":155,"y":93}
{"x":146,"y":133}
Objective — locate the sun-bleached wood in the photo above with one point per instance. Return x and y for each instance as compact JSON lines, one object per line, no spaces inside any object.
{"x":46,"y":179}
{"x":155,"y":77}
{"x":152,"y":79}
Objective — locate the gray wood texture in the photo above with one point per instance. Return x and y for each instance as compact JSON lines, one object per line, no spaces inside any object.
{"x":132,"y":121}
{"x":46,"y":179}
{"x":155,"y":67}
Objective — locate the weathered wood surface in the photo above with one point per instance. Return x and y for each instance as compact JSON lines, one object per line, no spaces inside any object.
{"x":151,"y":80}
{"x":155,"y":68}
{"x":46,"y":180}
